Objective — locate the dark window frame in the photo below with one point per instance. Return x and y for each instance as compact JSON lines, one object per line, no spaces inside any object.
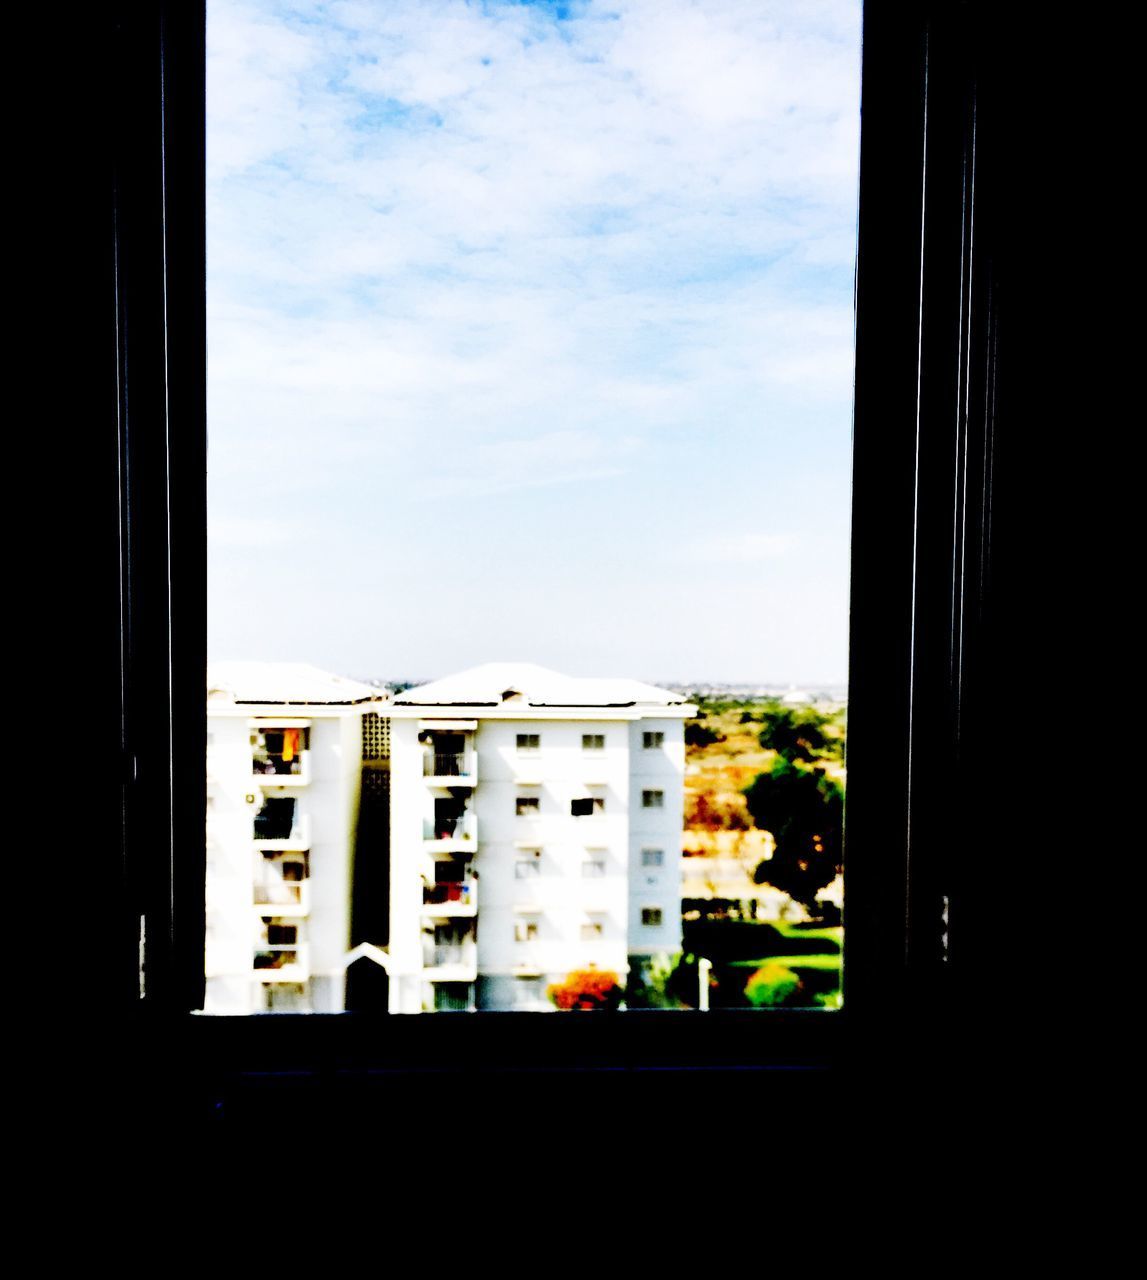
{"x":933,"y":521}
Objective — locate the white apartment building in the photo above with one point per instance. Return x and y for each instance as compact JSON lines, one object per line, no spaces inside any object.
{"x":285,"y":747}
{"x":535,"y":829}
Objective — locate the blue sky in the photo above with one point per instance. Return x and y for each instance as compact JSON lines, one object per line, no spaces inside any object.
{"x":530,"y":335}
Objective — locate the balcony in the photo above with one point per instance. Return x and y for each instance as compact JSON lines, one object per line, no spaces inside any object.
{"x":446,"y":899}
{"x":287,"y":897}
{"x":451,"y":962}
{"x":282,"y":963}
{"x":444,"y":833}
{"x":274,"y":768}
{"x":450,"y":768}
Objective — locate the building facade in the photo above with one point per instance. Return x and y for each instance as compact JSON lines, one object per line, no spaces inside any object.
{"x":535,"y":829}
{"x":285,"y":747}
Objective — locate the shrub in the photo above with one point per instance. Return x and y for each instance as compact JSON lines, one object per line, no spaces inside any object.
{"x":772,"y":984}
{"x":649,"y":983}
{"x":587,"y":989}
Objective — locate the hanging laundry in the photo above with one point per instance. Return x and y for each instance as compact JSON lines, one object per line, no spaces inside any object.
{"x":290,"y":744}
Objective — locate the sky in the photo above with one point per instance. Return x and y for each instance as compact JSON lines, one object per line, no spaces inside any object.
{"x":530,"y":335}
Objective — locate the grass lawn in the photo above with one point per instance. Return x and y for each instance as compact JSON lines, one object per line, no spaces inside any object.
{"x":833,"y":933}
{"x":789,"y":962}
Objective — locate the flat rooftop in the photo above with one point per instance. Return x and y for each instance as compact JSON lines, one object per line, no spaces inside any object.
{"x":284,"y":683}
{"x":510,"y":684}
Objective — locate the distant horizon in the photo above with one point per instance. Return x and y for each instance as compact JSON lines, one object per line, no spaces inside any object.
{"x":661,"y":683}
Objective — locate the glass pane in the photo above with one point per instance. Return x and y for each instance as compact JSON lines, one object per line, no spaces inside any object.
{"x":530,"y":338}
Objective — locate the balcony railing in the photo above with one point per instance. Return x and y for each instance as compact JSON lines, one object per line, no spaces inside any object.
{"x":277,"y":892}
{"x":451,"y":955}
{"x":451,"y":764}
{"x":282,"y":964}
{"x":451,"y":894}
{"x":461,"y":827}
{"x":270,"y":763}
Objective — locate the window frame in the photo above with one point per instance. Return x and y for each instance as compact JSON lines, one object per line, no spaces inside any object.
{"x":927,"y":518}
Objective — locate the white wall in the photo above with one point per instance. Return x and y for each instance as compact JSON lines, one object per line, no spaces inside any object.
{"x":661,"y":768}
{"x":563,"y":895}
{"x":230,"y":867}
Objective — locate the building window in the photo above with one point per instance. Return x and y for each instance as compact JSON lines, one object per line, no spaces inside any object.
{"x":653,"y":799}
{"x":587,"y":806}
{"x":593,"y":867}
{"x":528,"y":864}
{"x":889,"y":380}
{"x":652,"y":857}
{"x":593,"y":741}
{"x":651,"y":741}
{"x":525,"y":930}
{"x":591,"y":931}
{"x":527,"y":806}
{"x":651,"y":916}
{"x":528,"y":742}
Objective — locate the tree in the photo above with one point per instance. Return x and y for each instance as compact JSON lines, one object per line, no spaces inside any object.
{"x":800,"y":733}
{"x":587,"y":989}
{"x":700,"y":735}
{"x":804,"y":809}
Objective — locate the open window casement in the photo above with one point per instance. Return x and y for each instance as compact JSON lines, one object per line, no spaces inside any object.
{"x":932,"y":367}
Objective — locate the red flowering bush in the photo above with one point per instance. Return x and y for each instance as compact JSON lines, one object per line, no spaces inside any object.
{"x":587,"y":989}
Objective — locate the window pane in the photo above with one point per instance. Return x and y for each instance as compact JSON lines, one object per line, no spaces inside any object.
{"x":529,"y":408}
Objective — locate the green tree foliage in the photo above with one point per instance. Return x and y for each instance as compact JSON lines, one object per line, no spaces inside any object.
{"x":804,"y":809}
{"x":801,"y":733}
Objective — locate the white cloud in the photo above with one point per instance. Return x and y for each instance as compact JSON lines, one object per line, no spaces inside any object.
{"x":492,"y":251}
